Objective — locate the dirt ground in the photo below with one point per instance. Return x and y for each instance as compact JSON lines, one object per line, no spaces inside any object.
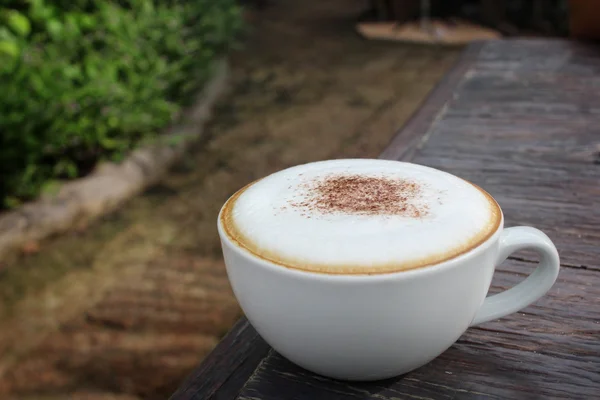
{"x":125,"y":308}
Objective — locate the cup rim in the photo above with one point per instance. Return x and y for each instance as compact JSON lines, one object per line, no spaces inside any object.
{"x":384,"y":276}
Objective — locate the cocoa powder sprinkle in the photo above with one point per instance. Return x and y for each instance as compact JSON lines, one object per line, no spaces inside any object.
{"x":362,"y":195}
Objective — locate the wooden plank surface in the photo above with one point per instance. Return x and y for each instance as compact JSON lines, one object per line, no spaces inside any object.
{"x":521,"y":118}
{"x":413,"y":134}
{"x":525,"y":125}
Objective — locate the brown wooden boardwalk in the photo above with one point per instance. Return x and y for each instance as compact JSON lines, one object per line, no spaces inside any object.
{"x":521,"y":118}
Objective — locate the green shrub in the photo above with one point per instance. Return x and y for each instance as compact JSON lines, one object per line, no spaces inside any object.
{"x":83,"y":80}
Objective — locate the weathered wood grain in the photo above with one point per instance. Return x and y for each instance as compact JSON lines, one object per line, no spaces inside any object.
{"x":411,"y":136}
{"x":525,"y":125}
{"x":550,"y":350}
{"x":521,"y":118}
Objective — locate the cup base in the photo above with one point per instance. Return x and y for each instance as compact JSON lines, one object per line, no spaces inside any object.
{"x":357,"y":376}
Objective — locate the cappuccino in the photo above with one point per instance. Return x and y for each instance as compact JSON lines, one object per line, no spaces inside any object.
{"x":359,"y":216}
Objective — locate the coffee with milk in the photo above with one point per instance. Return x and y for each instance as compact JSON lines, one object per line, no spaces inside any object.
{"x":367,"y":269}
{"x":360,"y":217}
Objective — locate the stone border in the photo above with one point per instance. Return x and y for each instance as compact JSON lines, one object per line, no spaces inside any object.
{"x":109,"y":185}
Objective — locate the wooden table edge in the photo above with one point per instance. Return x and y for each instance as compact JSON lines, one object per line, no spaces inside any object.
{"x":223,"y":373}
{"x":209,"y":380}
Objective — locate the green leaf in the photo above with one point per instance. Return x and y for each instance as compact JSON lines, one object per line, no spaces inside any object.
{"x":39,"y":11}
{"x":91,"y":69}
{"x":18,"y":23}
{"x":108,"y":143}
{"x":72,"y":71}
{"x":113,"y":121}
{"x":5,"y":34}
{"x":147,"y":7}
{"x":9,"y":49}
{"x":71,"y":23}
{"x":87,"y":21}
{"x":38,"y":84}
{"x":55,"y":28}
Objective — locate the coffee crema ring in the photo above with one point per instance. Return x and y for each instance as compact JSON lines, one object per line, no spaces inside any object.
{"x":358,"y":216}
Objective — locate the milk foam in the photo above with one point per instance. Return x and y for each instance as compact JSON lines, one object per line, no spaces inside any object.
{"x":265,"y":218}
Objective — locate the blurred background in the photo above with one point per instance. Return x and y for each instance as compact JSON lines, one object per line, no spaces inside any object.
{"x":113,"y":170}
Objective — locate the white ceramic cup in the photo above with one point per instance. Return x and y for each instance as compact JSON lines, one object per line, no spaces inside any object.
{"x":370,"y":327}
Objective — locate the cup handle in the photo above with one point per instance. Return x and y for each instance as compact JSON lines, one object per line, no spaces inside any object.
{"x":536,"y":284}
